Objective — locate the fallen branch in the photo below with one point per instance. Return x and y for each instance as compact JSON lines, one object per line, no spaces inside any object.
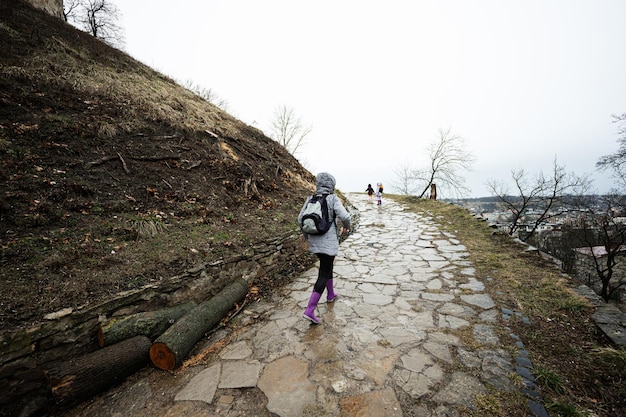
{"x":155,"y":158}
{"x":124,"y":163}
{"x":100,"y":161}
{"x":193,"y":165}
{"x":166,"y":137}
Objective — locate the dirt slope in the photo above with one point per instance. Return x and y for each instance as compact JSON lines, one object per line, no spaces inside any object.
{"x":112,"y":176}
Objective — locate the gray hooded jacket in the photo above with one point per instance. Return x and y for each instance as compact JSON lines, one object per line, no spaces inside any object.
{"x":327,"y":243}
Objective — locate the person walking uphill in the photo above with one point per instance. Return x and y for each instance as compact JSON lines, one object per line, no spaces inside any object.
{"x":370,"y":191}
{"x":326,"y":245}
{"x":379,"y":193}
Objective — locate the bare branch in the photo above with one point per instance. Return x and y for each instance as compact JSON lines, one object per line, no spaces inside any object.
{"x":97,"y":17}
{"x":604,"y":237}
{"x":70,"y":8}
{"x":404,"y":178}
{"x":616,"y":162}
{"x":206,"y":94}
{"x":288,"y":130}
{"x":538,"y":200}
{"x":449,"y":160}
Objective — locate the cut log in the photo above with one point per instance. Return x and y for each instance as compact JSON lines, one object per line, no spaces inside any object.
{"x":149,"y":323}
{"x":173,"y":346}
{"x":82,"y":378}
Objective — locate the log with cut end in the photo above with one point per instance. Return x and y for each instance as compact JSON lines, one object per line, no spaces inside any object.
{"x":82,"y":378}
{"x":173,"y":346}
{"x":150,"y":323}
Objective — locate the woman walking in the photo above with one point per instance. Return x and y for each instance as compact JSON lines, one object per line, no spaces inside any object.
{"x":326,"y":245}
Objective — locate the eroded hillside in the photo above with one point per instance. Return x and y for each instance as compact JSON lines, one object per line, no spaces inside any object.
{"x":113,"y":176}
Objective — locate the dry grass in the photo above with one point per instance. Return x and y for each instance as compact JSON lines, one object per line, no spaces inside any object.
{"x":146,"y":97}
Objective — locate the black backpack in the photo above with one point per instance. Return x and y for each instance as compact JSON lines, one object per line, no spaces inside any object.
{"x":315,"y":220}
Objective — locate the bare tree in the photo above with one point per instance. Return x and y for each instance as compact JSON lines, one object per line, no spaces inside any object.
{"x":604,"y":238}
{"x":287,"y":129}
{"x":546,"y":196}
{"x":607,"y":223}
{"x":403,"y":180}
{"x":616,"y":161}
{"x":70,"y":8}
{"x":97,"y":17}
{"x":449,"y":160}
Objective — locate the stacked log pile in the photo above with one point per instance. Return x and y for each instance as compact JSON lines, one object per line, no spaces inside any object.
{"x":51,"y":359}
{"x":149,"y":323}
{"x":128,"y":347}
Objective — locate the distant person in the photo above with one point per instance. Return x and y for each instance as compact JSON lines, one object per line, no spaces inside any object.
{"x":370,"y":191}
{"x":325,"y":246}
{"x":379,"y":193}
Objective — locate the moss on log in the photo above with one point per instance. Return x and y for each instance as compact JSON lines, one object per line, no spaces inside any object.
{"x":173,"y":346}
{"x":150,"y":323}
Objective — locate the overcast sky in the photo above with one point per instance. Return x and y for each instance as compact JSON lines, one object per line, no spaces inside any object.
{"x":522,"y":82}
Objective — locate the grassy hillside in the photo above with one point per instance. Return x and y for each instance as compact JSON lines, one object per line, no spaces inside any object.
{"x":113,"y":176}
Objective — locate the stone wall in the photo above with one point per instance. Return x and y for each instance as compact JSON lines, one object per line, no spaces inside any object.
{"x":54,"y":7}
{"x":26,"y":354}
{"x":585,"y":271}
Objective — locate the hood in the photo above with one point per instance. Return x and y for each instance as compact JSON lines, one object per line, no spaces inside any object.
{"x":324,"y":183}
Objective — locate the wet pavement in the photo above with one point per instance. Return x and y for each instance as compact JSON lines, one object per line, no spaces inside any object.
{"x":413,"y":332}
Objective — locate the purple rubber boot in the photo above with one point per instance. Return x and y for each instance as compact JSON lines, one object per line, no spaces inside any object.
{"x":309,"y":313}
{"x":330,"y":292}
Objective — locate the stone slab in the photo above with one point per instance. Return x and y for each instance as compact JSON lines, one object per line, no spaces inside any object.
{"x":202,"y":387}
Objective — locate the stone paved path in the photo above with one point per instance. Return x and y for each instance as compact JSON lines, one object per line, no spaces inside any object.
{"x":412,"y":326}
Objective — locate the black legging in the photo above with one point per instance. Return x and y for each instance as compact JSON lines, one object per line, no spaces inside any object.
{"x":325,"y":273}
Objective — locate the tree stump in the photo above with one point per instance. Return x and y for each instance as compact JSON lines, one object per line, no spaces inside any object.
{"x":433,"y":191}
{"x":173,"y":346}
{"x":150,"y":323}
